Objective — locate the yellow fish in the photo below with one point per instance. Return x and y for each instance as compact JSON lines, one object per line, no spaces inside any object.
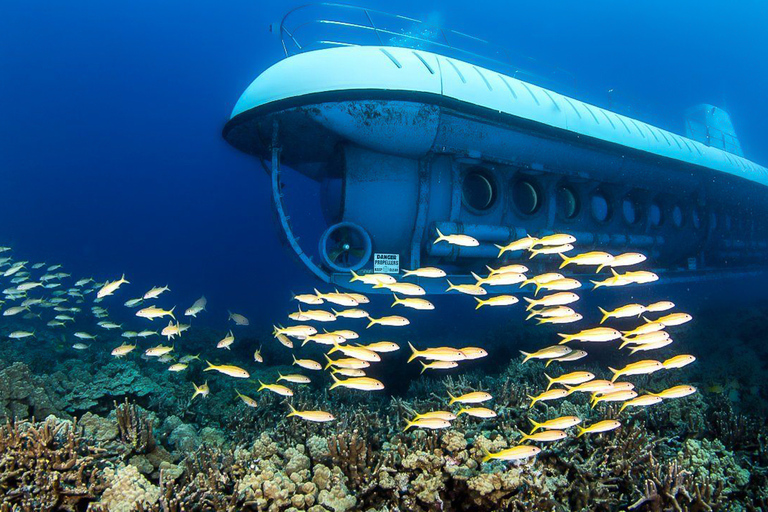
{"x":518,"y":245}
{"x":595,"y":334}
{"x":430,"y":423}
{"x":592,"y":386}
{"x":382,"y":346}
{"x":359,"y":297}
{"x":642,"y":339}
{"x":111,"y":287}
{"x":555,"y":299}
{"x":283,"y":339}
{"x":564,"y":284}
{"x":257,"y":356}
{"x":438,"y":365}
{"x":421,"y":304}
{"x":437,"y":354}
{"x":309,"y":364}
{"x":663,"y":305}
{"x":614,"y":280}
{"x":553,"y":249}
{"x":177,"y":367}
{"x":623,"y":312}
{"x":340,"y":299}
{"x":504,"y":279}
{"x":644,"y":329}
{"x":318,"y":315}
{"x":518,"y":452}
{"x":153,"y":312}
{"x":295,"y":378}
{"x":676,"y":392}
{"x":499,"y":300}
{"x":295,"y":331}
{"x":443,"y":415}
{"x":232,"y":371}
{"x":575,"y":317}
{"x":359,"y":383}
{"x":552,"y":394}
{"x":469,"y":289}
{"x":614,"y":396}
{"x":477,"y":412}
{"x":308,"y":298}
{"x":392,"y":321}
{"x":473,"y":352}
{"x":561,"y":423}
{"x":572,"y":356}
{"x":556,"y":239}
{"x":372,"y":279}
{"x":545,"y":436}
{"x":349,"y":372}
{"x":551,"y":311}
{"x":542,"y":279}
{"x":641,"y":401}
{"x":678,"y":361}
{"x":475,"y":397}
{"x":514,"y":269}
{"x":650,"y":346}
{"x":598,"y":258}
{"x":122,"y":350}
{"x":316,"y":416}
{"x":547,"y":353}
{"x":276,"y":388}
{"x":349,"y":363}
{"x":351,"y":313}
{"x":344,"y":333}
{"x":428,"y":272}
{"x":155,"y":292}
{"x":624,"y":260}
{"x":202,"y":390}
{"x":643,"y":367}
{"x":360,"y":353}
{"x":250,"y":402}
{"x":226,"y":341}
{"x":674,"y":319}
{"x":570,"y":378}
{"x":460,"y":240}
{"x":403,"y":288}
{"x":158,"y":351}
{"x":600,"y":426}
{"x":326,"y":338}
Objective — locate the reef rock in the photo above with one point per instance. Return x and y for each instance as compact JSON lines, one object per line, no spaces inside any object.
{"x":127,"y":488}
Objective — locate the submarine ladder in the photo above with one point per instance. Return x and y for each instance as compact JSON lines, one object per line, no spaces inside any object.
{"x":277,"y":199}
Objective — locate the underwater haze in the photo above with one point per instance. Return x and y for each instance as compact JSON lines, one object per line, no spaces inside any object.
{"x":536,"y":339}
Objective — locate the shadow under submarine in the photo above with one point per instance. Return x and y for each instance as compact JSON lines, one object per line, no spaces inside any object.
{"x":404,"y":142}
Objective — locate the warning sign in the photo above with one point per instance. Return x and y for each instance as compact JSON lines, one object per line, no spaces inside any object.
{"x":386,"y":263}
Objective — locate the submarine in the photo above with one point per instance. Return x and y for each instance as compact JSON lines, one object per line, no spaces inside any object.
{"x":409,"y":129}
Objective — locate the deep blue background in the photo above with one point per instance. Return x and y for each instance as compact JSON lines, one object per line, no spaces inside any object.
{"x":110,"y":117}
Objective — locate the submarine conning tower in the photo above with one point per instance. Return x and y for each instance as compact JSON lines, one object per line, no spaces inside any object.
{"x":405,"y":140}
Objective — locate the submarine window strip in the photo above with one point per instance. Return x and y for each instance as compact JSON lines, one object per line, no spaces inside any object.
{"x":552,"y":99}
{"x":578,"y":114}
{"x":392,"y":58}
{"x":593,"y":114}
{"x":432,"y":71}
{"x":463,"y":80}
{"x":514,"y":95}
{"x":638,"y":128}
{"x":530,"y":91}
{"x":487,"y":84}
{"x":608,"y":118}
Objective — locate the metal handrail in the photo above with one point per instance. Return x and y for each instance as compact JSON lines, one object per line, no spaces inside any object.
{"x":334,"y":18}
{"x":707,"y":135}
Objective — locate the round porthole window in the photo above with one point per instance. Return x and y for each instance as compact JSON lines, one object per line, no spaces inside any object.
{"x":478,"y":190}
{"x":525,"y":196}
{"x":713,"y":220}
{"x":601,"y":208}
{"x":567,"y":202}
{"x":696,"y":218}
{"x":677,"y":216}
{"x":654,"y":214}
{"x":629,"y":211}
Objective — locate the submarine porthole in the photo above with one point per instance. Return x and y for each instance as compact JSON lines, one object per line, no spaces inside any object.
{"x":696,"y":218}
{"x":567,"y":202}
{"x":677,"y":216}
{"x":629,"y":211}
{"x":654,"y":214}
{"x":478,"y":190}
{"x":526,"y":197}
{"x":712,"y":221}
{"x":601,"y":208}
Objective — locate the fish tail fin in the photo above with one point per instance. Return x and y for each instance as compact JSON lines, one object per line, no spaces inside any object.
{"x":452,"y":400}
{"x":414,"y":352}
{"x":335,"y":312}
{"x":531,"y":315}
{"x":597,"y":284}
{"x":600,"y":267}
{"x":534,"y":252}
{"x":525,"y":436}
{"x":527,"y":356}
{"x":451,"y":286}
{"x":490,"y":270}
{"x":550,"y":380}
{"x":535,"y":424}
{"x":371,"y":321}
{"x":566,"y":338}
{"x":355,"y":277}
{"x":627,"y":341}
{"x":613,"y":271}
{"x":540,"y":321}
{"x":531,"y":303}
{"x":407,"y":272}
{"x":397,"y":300}
{"x":634,"y":349}
{"x":409,"y":424}
{"x":480,"y":303}
{"x":170,"y":312}
{"x":209,"y":367}
{"x":501,"y":249}
{"x":261,"y":386}
{"x":317,"y":293}
{"x":536,"y":292}
{"x":293,"y":411}
{"x":647,"y":321}
{"x":605,"y":313}
{"x":623,"y":406}
{"x":566,"y":260}
{"x":477,"y":277}
{"x":548,"y":363}
{"x":532,"y":399}
{"x":423,"y":366}
{"x":486,"y":454}
{"x":440,"y":236}
{"x":615,"y":374}
{"x":330,"y":361}
{"x":336,"y":382}
{"x":582,"y":431}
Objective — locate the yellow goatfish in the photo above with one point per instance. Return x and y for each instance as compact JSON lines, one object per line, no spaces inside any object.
{"x":592,"y":386}
{"x":316,"y":416}
{"x":340,"y":299}
{"x":360,"y":353}
{"x":295,"y":331}
{"x":561,"y":423}
{"x":623,"y":312}
{"x":643,"y":367}
{"x":642,"y":339}
{"x":276,"y":388}
{"x":226,"y":341}
{"x":438,"y":365}
{"x":475,"y":397}
{"x":477,"y":412}
{"x":309,"y":364}
{"x":359,"y":383}
{"x":624,"y":260}
{"x":547,"y":353}
{"x":473,"y":352}
{"x":640,"y":276}
{"x":598,"y":258}
{"x":409,"y":289}
{"x":372,"y":279}
{"x":644,"y":329}
{"x":600,"y":426}
{"x":551,"y":311}
{"x":349,"y":363}
{"x":382,"y":346}
{"x":499,"y":300}
{"x":232,"y":371}
{"x":153,"y":312}
{"x":318,"y":315}
{"x":351,"y":313}
{"x":326,"y":338}
{"x":344,"y":333}
{"x":674,"y":319}
{"x":553,"y":249}
{"x":443,"y":415}
{"x":569,"y":319}
{"x":545,"y":436}
{"x":595,"y":334}
{"x":349,"y":372}
{"x":519,"y":452}
{"x":542,"y":279}
{"x":556,"y":239}
{"x":570,"y":378}
{"x":428,"y":272}
{"x":437,"y":354}
{"x":359,"y":297}
{"x":572,"y":356}
{"x":295,"y":378}
{"x":564,"y":284}
{"x":641,"y":401}
{"x":555,"y":299}
{"x":678,"y":361}
{"x":552,"y":394}
{"x":614,"y":396}
{"x":460,"y":240}
{"x":421,"y":304}
{"x":514,"y":269}
{"x":650,"y":346}
{"x":308,"y":298}
{"x":676,"y":392}
{"x":430,"y":423}
{"x":469,"y":289}
{"x":111,"y":287}
{"x":505,"y":279}
{"x":614,"y":280}
{"x":392,"y":321}
{"x":158,"y":351}
{"x":178,"y":367}
{"x":657,"y":307}
{"x":250,"y":402}
{"x":201,"y":390}
{"x":518,"y":245}
{"x":122,"y":350}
